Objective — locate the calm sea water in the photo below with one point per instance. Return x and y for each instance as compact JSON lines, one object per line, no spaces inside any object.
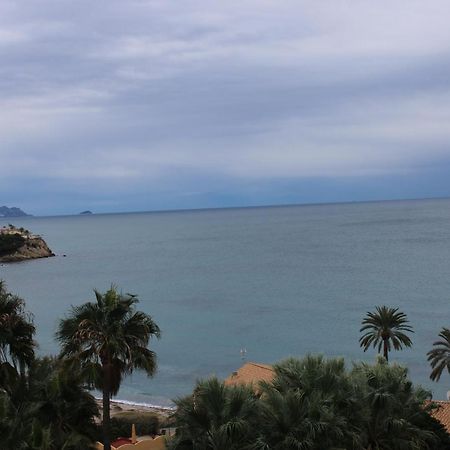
{"x":277,"y":281}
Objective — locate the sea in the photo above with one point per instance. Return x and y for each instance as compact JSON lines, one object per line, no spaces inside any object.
{"x":262,"y":284}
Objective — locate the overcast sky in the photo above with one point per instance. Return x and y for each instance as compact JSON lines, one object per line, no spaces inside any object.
{"x":140,"y":105}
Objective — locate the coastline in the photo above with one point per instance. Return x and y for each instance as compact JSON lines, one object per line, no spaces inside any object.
{"x":119,"y":406}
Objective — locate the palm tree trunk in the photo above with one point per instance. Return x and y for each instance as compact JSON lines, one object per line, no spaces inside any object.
{"x":386,"y":350}
{"x":106,"y":410}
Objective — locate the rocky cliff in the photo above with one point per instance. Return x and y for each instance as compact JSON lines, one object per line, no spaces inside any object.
{"x":16,"y":245}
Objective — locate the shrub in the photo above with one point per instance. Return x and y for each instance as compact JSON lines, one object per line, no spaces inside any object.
{"x":145,"y":423}
{"x":9,"y":243}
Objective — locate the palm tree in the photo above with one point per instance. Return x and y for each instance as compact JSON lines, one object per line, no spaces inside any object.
{"x":310,"y":404}
{"x":16,"y":337}
{"x":439,"y":356}
{"x":61,"y":405}
{"x":216,"y":416}
{"x":49,"y":409}
{"x":385,"y":328}
{"x":108,"y":339}
{"x":396,"y":412}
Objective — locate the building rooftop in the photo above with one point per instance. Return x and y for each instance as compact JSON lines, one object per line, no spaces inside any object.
{"x":251,"y":373}
{"x":442,"y":413}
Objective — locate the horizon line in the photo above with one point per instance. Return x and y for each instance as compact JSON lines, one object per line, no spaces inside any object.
{"x":218,"y":208}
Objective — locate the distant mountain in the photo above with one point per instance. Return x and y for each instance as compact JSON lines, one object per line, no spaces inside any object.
{"x":12,"y":212}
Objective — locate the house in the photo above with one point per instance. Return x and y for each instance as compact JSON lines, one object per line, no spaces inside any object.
{"x":442,"y":413}
{"x":251,"y":374}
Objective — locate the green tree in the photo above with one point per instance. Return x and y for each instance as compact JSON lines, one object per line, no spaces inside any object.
{"x":216,"y":417}
{"x":14,"y":423}
{"x":396,"y":414}
{"x":42,"y":406}
{"x":62,"y":407}
{"x":311,"y":404}
{"x":16,"y":337}
{"x":49,"y":409}
{"x":385,"y":328}
{"x":9,"y":243}
{"x":439,"y":356}
{"x":108,"y":339}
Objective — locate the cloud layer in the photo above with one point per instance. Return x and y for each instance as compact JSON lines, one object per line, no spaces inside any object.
{"x":152,"y":104}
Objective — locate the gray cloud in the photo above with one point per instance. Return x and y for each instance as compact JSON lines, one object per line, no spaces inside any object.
{"x":145,"y":94}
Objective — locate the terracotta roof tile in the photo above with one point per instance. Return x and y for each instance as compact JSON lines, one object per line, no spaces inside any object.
{"x":251,"y":373}
{"x":120,"y":441}
{"x":442,"y":413}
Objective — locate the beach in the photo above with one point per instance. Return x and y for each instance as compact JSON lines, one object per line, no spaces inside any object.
{"x":118,"y":406}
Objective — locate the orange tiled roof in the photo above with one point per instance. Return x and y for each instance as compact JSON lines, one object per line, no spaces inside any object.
{"x":251,"y":373}
{"x":442,"y":413}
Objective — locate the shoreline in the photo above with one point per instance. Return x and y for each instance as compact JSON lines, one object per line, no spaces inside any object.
{"x":119,"y":406}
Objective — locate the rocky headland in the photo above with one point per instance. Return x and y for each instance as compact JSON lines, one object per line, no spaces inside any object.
{"x":18,"y":244}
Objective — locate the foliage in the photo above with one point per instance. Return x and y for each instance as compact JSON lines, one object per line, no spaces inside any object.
{"x":439,"y":356}
{"x":385,"y":328}
{"x":395,"y":410}
{"x":108,"y":339}
{"x":62,"y":404}
{"x":9,"y":243}
{"x":48,"y":409}
{"x":145,"y":423}
{"x":16,"y":337}
{"x":42,"y":406}
{"x":216,"y":416}
{"x":313,"y":404}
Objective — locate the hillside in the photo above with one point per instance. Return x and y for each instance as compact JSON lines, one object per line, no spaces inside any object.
{"x":12,"y":212}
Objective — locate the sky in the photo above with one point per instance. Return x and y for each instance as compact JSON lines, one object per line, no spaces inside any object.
{"x":145,"y":105}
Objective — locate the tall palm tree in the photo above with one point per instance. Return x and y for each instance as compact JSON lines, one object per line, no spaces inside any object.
{"x":108,"y":339}
{"x":385,"y":328}
{"x":16,"y":337}
{"x":439,"y":356}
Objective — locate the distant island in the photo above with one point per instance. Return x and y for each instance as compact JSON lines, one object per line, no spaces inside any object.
{"x":18,"y":244}
{"x":12,"y":212}
{"x":86,"y":212}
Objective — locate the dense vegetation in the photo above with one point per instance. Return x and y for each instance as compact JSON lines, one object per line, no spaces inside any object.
{"x":313,"y":403}
{"x":42,"y":405}
{"x":146,"y":423}
{"x":45,"y":403}
{"x":9,"y":243}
